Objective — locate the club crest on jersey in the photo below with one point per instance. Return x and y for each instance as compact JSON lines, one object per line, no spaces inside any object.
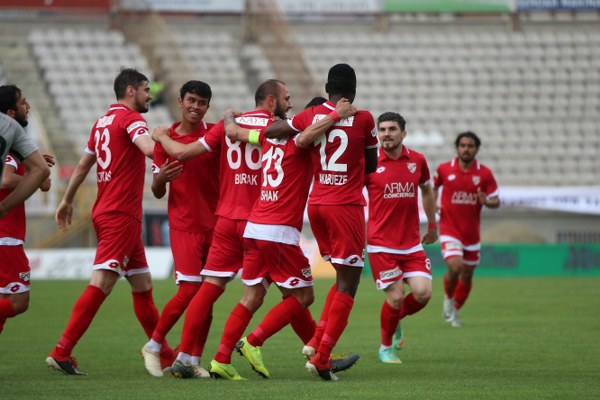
{"x":412,"y":167}
{"x":476,"y":180}
{"x":380,"y":169}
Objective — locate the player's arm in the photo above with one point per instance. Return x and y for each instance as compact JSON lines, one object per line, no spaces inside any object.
{"x":64,"y":212}
{"x":343,"y":109}
{"x":145,"y":144}
{"x":488,"y":201}
{"x":168,"y":171}
{"x":279,"y":129}
{"x":428,"y":201}
{"x":37,"y":172}
{"x":11,"y":179}
{"x":177,"y":150}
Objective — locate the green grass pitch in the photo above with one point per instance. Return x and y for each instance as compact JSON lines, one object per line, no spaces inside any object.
{"x":523,"y":338}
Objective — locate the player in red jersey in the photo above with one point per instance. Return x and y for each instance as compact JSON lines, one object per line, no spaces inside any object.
{"x":14,"y":268}
{"x":467,"y":186}
{"x":271,"y":240}
{"x":118,"y":144}
{"x":193,"y":197}
{"x":394,"y":244}
{"x":340,"y":159}
{"x":239,"y":189}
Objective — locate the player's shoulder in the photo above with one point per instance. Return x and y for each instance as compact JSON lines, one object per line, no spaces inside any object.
{"x":10,"y":124}
{"x":485,"y":169}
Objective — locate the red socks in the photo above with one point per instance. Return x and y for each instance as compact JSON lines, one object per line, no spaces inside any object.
{"x":389,"y":322}
{"x":410,"y":305}
{"x":83,"y":313}
{"x":234,"y":329}
{"x":449,"y":287}
{"x":316,"y":339}
{"x":174,"y":309}
{"x":304,"y":325}
{"x":145,"y":311}
{"x":278,"y":317}
{"x":462,"y":293}
{"x":336,"y":323}
{"x":197,"y":314}
{"x":6,"y":309}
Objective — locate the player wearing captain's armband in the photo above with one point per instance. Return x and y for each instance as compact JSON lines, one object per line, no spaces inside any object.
{"x":466,"y":186}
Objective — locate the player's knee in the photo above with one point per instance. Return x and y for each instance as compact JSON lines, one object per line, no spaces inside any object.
{"x":306,"y":298}
{"x":422,"y":296}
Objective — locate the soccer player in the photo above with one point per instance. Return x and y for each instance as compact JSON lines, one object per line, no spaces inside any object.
{"x":14,"y":265}
{"x":193,"y":197}
{"x":15,"y":141}
{"x":394,"y":244}
{"x":272,"y":243}
{"x":466,"y":186}
{"x":240,"y":181}
{"x":118,"y":144}
{"x":340,"y":159}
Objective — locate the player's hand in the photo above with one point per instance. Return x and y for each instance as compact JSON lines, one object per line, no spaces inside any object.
{"x":482,"y":196}
{"x":49,"y":159}
{"x":45,"y":186}
{"x":159,"y":132}
{"x":63,"y":215}
{"x":229,"y":123}
{"x":170,"y":170}
{"x":430,"y":237}
{"x":344,"y":108}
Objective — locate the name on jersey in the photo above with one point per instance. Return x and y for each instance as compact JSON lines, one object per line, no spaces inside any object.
{"x":254,"y":121}
{"x":104,"y":176}
{"x":397,"y":190}
{"x":269,"y":195}
{"x":343,"y":122}
{"x":105,"y":121}
{"x":246,"y":179}
{"x":333,"y":179}
{"x":464,"y":198}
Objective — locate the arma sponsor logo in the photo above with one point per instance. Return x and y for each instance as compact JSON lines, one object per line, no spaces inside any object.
{"x":396,"y":190}
{"x":390,"y":274}
{"x":269,"y":195}
{"x":332,"y":179}
{"x":246,"y":179}
{"x":254,"y":121}
{"x":105,"y":121}
{"x":461,"y":197}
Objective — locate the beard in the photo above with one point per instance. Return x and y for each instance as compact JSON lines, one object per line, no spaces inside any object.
{"x":280,"y":112}
{"x":22,"y":120}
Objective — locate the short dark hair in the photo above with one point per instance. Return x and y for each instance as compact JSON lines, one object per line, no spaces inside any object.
{"x":268,"y":87}
{"x":196,"y":87}
{"x":9,"y":94}
{"x":468,"y":134}
{"x":316,"y":101}
{"x":128,"y":77}
{"x":392,"y":116}
{"x":341,"y":80}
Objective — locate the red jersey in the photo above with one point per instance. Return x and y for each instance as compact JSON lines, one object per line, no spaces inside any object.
{"x":12,"y":225}
{"x":120,"y":165}
{"x":460,"y":206}
{"x":194,"y":195}
{"x":285,"y":183}
{"x":393,"y":202}
{"x":239,"y":166}
{"x":338,"y":157}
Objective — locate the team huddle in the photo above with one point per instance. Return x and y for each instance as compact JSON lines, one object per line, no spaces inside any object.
{"x":237,"y":192}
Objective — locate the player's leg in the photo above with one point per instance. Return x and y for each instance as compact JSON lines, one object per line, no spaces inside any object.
{"x":452,"y":251}
{"x":464,"y":285}
{"x":84,"y":310}
{"x":417,"y":273}
{"x":14,"y":283}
